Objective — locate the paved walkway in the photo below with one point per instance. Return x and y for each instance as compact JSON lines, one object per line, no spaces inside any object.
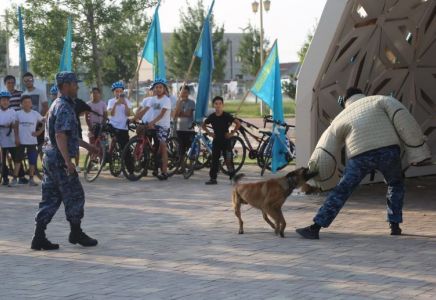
{"x":178,"y":240}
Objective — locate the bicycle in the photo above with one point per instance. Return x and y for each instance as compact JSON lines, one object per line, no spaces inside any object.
{"x":201,"y":147}
{"x":144,"y":155}
{"x":266,"y":149}
{"x":108,"y":151}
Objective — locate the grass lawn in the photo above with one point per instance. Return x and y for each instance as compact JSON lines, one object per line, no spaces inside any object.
{"x":249,"y":109}
{"x":252,"y":110}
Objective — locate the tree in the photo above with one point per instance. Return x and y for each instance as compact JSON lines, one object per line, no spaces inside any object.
{"x":3,"y":51}
{"x":303,"y":50}
{"x":290,"y":88}
{"x":183,"y":41}
{"x":107,"y":35}
{"x":249,"y":51}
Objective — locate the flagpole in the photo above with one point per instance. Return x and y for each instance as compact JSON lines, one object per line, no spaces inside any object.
{"x":134,"y":81}
{"x":188,"y":73}
{"x":255,"y":78}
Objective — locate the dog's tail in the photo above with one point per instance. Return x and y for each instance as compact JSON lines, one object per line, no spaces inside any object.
{"x":236,"y":178}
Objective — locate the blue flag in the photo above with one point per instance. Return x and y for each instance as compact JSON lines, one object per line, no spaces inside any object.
{"x":153,"y":48}
{"x":65,"y":64}
{"x":204,"y":50}
{"x":23,"y":61}
{"x":268,"y":87}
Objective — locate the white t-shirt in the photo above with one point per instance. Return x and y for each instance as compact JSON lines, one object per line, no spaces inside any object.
{"x":7,"y":117}
{"x":38,"y":97}
{"x":26,"y":125}
{"x":148,"y":116}
{"x":158,"y":105}
{"x":119,"y":120}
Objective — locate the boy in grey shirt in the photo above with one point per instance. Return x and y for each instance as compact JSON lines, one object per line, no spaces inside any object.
{"x":184,"y":118}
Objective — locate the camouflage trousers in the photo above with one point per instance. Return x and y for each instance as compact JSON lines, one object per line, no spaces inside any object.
{"x":59,"y":187}
{"x":386,"y":160}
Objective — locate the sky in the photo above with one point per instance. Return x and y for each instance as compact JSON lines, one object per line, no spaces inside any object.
{"x":288,"y":21}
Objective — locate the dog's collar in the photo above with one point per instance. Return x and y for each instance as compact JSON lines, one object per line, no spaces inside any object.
{"x":291,"y":182}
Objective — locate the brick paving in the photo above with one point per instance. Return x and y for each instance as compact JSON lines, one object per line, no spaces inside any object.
{"x":178,"y":240}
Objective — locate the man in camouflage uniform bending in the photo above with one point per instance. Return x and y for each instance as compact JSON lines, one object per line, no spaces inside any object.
{"x":61,"y":182}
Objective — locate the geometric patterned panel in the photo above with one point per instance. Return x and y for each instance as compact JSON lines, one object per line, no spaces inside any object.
{"x":386,"y":47}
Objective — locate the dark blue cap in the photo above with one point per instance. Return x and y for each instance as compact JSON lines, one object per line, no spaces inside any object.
{"x":65,"y":76}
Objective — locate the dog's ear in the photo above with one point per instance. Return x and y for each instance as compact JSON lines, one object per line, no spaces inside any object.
{"x":307,"y":175}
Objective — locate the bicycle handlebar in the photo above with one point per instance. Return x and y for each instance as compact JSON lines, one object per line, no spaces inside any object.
{"x":268,"y":119}
{"x":249,"y":125}
{"x":97,"y":114}
{"x":195,"y":124}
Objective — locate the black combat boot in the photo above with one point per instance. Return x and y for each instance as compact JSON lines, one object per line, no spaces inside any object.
{"x":395,"y":228}
{"x":77,"y":236}
{"x":39,"y":241}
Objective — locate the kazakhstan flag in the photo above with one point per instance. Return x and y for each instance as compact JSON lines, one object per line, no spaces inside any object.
{"x":153,"y":48}
{"x":268,"y":87}
{"x":204,"y":51}
{"x":65,"y":64}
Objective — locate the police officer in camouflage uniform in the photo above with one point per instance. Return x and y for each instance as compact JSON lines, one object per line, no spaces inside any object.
{"x":387,"y":160}
{"x":61,"y":182}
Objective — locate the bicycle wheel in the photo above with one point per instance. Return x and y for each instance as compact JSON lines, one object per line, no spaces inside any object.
{"x":239,"y":152}
{"x":191,"y":159}
{"x":139,"y":156}
{"x":267,"y":159}
{"x":174,"y":155}
{"x":261,"y":157}
{"x":94,"y":163}
{"x":204,"y":158}
{"x":115,"y":161}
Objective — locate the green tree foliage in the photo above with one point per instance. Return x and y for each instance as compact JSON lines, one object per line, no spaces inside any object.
{"x":303,"y":51}
{"x":3,"y":51}
{"x":290,"y":88}
{"x":249,"y":51}
{"x":181,"y":46}
{"x":107,"y":36}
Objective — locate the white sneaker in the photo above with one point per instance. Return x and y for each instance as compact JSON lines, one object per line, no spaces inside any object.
{"x":32,"y":182}
{"x":13,"y":182}
{"x":78,"y":170}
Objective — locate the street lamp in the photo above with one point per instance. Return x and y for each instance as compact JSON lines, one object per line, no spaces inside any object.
{"x":255,"y":6}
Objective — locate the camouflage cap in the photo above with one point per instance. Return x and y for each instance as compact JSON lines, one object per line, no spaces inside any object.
{"x":65,"y":76}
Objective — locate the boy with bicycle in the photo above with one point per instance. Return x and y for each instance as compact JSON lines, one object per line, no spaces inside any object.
{"x":97,"y":106}
{"x":161,"y":106}
{"x":220,"y":121}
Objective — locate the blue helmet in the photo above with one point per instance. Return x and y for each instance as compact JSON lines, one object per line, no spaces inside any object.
{"x":158,"y":80}
{"x":117,"y":85}
{"x":54,"y":90}
{"x":5,"y":94}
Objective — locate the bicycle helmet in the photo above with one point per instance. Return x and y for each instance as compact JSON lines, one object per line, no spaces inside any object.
{"x":5,"y":94}
{"x":158,"y":80}
{"x":54,"y":90}
{"x":117,"y":85}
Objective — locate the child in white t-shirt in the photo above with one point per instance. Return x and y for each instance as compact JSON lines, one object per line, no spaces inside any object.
{"x":7,"y":141}
{"x":26,"y":137}
{"x":119,"y":108}
{"x":161,"y":106}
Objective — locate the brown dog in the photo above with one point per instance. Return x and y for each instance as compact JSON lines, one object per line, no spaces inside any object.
{"x":268,"y":196}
